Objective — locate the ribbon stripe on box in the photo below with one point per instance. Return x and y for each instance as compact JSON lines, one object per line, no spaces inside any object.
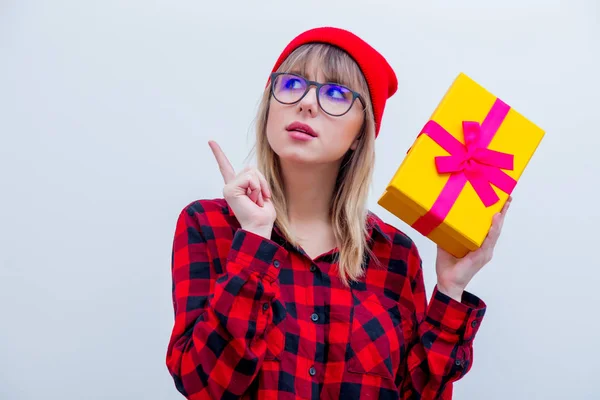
{"x":470,"y":162}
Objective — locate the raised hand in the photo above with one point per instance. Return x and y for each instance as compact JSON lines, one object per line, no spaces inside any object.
{"x":248,"y":194}
{"x":453,"y":274}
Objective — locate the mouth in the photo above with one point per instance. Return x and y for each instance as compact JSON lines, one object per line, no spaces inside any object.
{"x":302,"y":128}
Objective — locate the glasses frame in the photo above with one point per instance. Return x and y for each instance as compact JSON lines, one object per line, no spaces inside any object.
{"x":318,"y":86}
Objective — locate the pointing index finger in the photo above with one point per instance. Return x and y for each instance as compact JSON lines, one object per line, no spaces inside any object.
{"x":224,"y":165}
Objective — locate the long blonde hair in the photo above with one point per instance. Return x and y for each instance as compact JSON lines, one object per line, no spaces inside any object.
{"x":349,"y":200}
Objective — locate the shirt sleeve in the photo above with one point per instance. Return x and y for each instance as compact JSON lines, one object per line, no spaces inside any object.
{"x":217,"y":344}
{"x":441,"y":351}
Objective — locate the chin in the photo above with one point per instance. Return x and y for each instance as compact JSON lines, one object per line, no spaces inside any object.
{"x":295,"y":155}
{"x":289,"y":151}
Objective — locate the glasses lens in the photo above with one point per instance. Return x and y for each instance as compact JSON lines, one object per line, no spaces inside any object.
{"x":335,"y":99}
{"x":288,"y":88}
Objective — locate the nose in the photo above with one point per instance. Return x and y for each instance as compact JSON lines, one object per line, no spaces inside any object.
{"x":309,"y":102}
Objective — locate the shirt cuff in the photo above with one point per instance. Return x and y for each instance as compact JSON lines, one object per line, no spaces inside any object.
{"x":462,"y":318}
{"x":254,"y":253}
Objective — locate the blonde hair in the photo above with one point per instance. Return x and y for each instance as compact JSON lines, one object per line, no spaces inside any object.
{"x":349,"y":200}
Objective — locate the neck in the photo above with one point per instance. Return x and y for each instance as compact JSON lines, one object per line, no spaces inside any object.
{"x":308,"y":190}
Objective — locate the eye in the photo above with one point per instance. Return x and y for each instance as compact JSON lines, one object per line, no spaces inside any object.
{"x":337,"y":93}
{"x":292,"y":83}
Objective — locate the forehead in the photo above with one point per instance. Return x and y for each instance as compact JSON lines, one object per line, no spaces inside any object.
{"x":310,"y":67}
{"x":324,"y":67}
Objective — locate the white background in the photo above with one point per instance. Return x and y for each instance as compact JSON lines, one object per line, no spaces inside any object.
{"x":105,"y":113}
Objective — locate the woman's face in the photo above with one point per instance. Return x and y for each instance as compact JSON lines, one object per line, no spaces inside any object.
{"x":334,"y":136}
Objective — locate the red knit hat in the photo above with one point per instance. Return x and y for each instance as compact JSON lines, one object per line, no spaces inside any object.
{"x":379,"y":74}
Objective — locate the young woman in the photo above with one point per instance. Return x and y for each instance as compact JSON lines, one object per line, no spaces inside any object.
{"x":288,"y":287}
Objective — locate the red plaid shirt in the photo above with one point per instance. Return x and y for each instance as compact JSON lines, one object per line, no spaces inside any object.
{"x":258,"y":318}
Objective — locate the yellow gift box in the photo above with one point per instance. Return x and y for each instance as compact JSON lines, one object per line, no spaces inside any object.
{"x":462,"y":167}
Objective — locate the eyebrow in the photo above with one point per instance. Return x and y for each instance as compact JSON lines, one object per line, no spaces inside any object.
{"x":298,"y":72}
{"x":333,"y":81}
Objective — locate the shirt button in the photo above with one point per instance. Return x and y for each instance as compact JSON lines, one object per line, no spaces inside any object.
{"x":313,"y":268}
{"x":312,"y":371}
{"x":265,"y":306}
{"x":314,"y":317}
{"x":276,"y":263}
{"x":458,"y":363}
{"x":474,"y":324}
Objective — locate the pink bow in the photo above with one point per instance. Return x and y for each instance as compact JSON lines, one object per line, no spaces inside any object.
{"x":480,"y":165}
{"x":470,"y":162}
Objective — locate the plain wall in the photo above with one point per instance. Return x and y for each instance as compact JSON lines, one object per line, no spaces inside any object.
{"x":106,"y":108}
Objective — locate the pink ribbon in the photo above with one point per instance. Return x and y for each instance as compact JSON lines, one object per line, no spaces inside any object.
{"x":470,"y":162}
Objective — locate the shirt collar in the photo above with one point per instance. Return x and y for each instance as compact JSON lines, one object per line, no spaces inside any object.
{"x":374,"y":226}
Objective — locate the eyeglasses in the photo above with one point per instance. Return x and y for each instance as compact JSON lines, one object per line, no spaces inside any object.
{"x":334,"y":99}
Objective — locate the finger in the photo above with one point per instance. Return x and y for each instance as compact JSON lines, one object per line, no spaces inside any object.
{"x":506,"y":206}
{"x":224,"y":165}
{"x":260,"y":193}
{"x":260,"y":199}
{"x":494,"y":233}
{"x":253,"y":184}
{"x":504,"y":211}
{"x":264,"y":185}
{"x":257,"y":196}
{"x":254,"y":196}
{"x":260,"y":179}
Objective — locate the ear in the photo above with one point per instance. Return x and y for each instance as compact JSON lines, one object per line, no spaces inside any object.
{"x":354,"y":144}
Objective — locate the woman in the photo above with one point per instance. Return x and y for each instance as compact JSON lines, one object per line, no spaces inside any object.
{"x":289,"y":287}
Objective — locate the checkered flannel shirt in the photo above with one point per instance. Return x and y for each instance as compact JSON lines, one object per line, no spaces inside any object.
{"x":256,"y":318}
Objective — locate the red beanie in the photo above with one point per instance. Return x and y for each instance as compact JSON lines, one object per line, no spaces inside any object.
{"x":379,"y":74}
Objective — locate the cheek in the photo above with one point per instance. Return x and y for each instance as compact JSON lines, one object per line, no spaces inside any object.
{"x":351,"y":127}
{"x":340,"y":140}
{"x":357,"y":117}
{"x":273,"y":117}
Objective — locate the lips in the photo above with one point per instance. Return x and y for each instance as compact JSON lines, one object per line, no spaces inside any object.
{"x":300,"y":127}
